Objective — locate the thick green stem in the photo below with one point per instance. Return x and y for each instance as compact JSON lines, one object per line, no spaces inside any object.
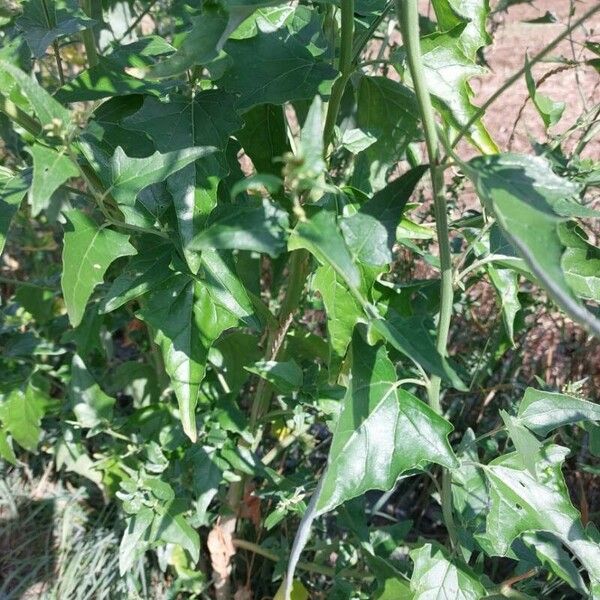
{"x":345,"y":67}
{"x":408,"y":14}
{"x":20,"y":117}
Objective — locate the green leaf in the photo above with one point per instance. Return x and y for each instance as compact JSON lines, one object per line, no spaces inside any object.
{"x":45,"y":107}
{"x":13,"y":188}
{"x":543,"y":412}
{"x":523,"y":502}
{"x":343,"y":313}
{"x":205,"y":480}
{"x":310,"y":168}
{"x":472,"y":14}
{"x":186,"y":321}
{"x":264,"y":137}
{"x":88,"y":251}
{"x":526,"y":444}
{"x":268,"y":18}
{"x":530,"y":202}
{"x":173,"y":528}
{"x":86,"y":336}
{"x":21,"y":414}
{"x":355,"y":141}
{"x":201,"y":44}
{"x":506,"y":283}
{"x":91,"y":405}
{"x":260,"y":226}
{"x":284,"y":376}
{"x":550,"y":553}
{"x":125,"y":177}
{"x":382,"y":431}
{"x":273,"y":68}
{"x":580,"y":262}
{"x":550,"y":110}
{"x":7,"y":452}
{"x":469,"y":490}
{"x":208,"y":120}
{"x":447,"y":74}
{"x":395,"y":589}
{"x":51,"y":168}
{"x":387,"y":111}
{"x":371,"y":232}
{"x":410,"y":336}
{"x":106,"y":80}
{"x":132,"y":541}
{"x":436,"y":577}
{"x":321,"y":236}
{"x":258,"y":183}
{"x":44,"y":21}
{"x":298,"y":592}
{"x":226,"y":288}
{"x":144,"y":272}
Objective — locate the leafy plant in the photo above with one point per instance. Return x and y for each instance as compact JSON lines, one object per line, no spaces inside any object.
{"x":213,"y":320}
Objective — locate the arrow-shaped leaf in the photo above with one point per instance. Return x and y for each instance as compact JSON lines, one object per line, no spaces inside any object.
{"x":186,"y":322}
{"x":125,"y":177}
{"x":381,"y":432}
{"x":543,"y":412}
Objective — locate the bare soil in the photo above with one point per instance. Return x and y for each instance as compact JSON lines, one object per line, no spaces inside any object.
{"x":514,"y":37}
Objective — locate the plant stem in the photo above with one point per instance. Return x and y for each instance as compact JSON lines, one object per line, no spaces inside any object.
{"x":298,"y":271}
{"x":516,"y":76}
{"x":89,"y":39}
{"x":345,"y":67}
{"x":408,"y":14}
{"x":61,"y":72}
{"x":305,"y":566}
{"x":20,"y":117}
{"x":50,"y":23}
